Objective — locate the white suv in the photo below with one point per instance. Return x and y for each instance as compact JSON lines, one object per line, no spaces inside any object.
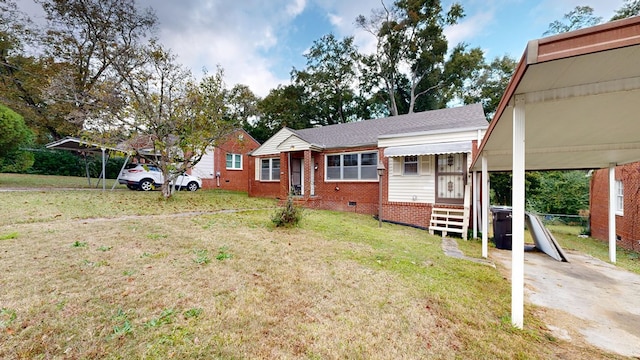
{"x":147,"y":177}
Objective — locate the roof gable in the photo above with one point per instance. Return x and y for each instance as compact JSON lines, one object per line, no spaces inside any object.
{"x":270,"y":147}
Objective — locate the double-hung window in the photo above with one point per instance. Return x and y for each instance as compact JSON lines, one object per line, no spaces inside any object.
{"x":619,"y":198}
{"x":234,"y":161}
{"x":410,"y":165}
{"x":270,"y":169}
{"x":352,"y":166}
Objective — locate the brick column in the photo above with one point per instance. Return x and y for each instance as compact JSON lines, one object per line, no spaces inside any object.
{"x":308,"y":163}
{"x":284,"y":175}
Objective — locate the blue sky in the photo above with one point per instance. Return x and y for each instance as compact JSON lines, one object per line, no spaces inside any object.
{"x":258,"y":42}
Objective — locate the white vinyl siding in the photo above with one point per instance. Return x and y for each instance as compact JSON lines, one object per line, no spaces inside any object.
{"x":414,"y":188}
{"x":428,"y":138}
{"x":270,"y":147}
{"x":293,"y":143}
{"x":204,"y":168}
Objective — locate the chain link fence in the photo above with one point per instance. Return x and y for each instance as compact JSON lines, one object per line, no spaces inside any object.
{"x":580,"y":222}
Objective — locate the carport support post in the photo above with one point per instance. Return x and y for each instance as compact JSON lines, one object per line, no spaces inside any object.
{"x":126,"y":161}
{"x":517,"y":217}
{"x":104,"y":172}
{"x":612,"y":213}
{"x":485,"y":207}
{"x":474,"y":202}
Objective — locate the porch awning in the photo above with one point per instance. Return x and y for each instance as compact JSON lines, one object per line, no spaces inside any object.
{"x":429,"y":149}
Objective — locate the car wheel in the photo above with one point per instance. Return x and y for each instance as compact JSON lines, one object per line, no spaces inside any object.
{"x":192,"y":186}
{"x":146,"y":185}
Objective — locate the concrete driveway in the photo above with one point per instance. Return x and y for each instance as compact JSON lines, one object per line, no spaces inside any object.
{"x":587,"y":298}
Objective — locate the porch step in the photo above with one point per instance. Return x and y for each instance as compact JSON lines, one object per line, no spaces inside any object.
{"x":450,"y":220}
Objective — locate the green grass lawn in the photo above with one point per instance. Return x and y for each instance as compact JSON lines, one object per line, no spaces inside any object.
{"x":122,"y":275}
{"x":568,"y":238}
{"x":23,"y":181}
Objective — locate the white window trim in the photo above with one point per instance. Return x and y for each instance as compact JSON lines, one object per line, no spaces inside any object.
{"x":359,"y":153}
{"x":270,"y":170}
{"x":619,"y":210}
{"x":233,"y":161}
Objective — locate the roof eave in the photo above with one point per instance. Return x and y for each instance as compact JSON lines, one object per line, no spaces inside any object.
{"x":433,"y":132}
{"x":608,"y":36}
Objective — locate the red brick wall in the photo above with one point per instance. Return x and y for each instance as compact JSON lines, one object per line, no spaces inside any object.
{"x":328,"y":195}
{"x":359,"y":197}
{"x":628,"y":225}
{"x":258,"y":188}
{"x":363,"y":195}
{"x":235,"y":180}
{"x":407,"y":213}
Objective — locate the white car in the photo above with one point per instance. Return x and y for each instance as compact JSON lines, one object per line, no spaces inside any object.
{"x":147,"y":177}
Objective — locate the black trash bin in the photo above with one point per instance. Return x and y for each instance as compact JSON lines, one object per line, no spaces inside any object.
{"x":502,"y":227}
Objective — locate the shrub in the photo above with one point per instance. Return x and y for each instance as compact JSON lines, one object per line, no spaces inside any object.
{"x":287,"y":216}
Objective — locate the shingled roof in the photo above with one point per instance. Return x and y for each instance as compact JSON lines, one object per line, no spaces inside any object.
{"x":363,"y":133}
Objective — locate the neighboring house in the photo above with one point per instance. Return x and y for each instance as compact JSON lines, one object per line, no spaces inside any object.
{"x":227,"y":165}
{"x":426,"y":156}
{"x":627,"y":205}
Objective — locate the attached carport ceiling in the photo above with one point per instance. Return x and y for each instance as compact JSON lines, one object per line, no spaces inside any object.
{"x":582,"y":102}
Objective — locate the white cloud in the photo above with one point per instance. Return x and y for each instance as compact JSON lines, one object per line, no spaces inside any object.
{"x":336,"y":20}
{"x":469,"y":27}
{"x":251,"y":39}
{"x":234,"y":35}
{"x":296,"y":7}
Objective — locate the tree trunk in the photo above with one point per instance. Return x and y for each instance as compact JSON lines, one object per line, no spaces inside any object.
{"x":167,"y":189}
{"x":393,"y":107}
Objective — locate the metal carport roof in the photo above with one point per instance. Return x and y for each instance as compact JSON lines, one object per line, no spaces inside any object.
{"x":573,"y":103}
{"x":79,"y":145}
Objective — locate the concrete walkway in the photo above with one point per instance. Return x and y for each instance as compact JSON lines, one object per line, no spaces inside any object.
{"x":450,"y":248}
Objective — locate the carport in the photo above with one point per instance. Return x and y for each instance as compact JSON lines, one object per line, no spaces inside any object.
{"x":82,"y":146}
{"x":572,"y":103}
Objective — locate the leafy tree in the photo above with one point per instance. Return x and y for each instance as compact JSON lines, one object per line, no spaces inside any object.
{"x":94,"y":44}
{"x":284,"y":106}
{"x":21,"y":76}
{"x":13,"y":135}
{"x":242,"y":106}
{"x":410,"y":36}
{"x":330,"y":79}
{"x":578,"y":18}
{"x":488,"y":83}
{"x":561,"y":192}
{"x":629,"y":9}
{"x":460,"y":69}
{"x":171,"y":114}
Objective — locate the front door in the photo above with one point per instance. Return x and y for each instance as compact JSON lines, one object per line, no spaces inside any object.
{"x":296,"y":176}
{"x":451,"y":172}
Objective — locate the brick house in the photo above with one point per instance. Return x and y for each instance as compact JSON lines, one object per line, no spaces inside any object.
{"x":227,"y":165}
{"x":426,"y":156}
{"x":627,"y":205}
